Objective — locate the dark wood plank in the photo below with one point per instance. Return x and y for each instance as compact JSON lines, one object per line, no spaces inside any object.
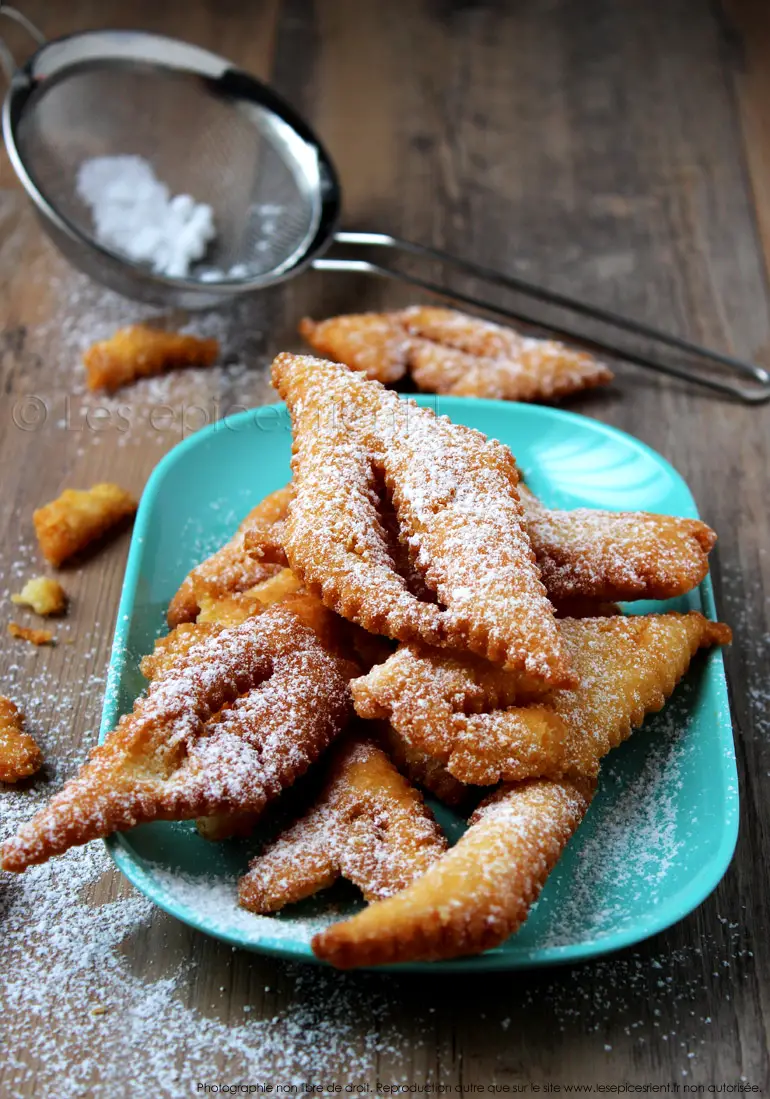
{"x":613,"y":151}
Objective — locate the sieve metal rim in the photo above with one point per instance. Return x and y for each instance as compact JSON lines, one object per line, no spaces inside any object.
{"x":59,"y":58}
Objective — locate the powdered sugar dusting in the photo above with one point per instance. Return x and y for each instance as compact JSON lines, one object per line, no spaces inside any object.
{"x":454,"y":492}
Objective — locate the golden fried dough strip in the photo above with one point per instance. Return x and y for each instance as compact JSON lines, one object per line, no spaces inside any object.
{"x":75,"y":519}
{"x":334,"y":636}
{"x":230,"y":608}
{"x":609,"y":555}
{"x":279,"y":699}
{"x":456,"y":353}
{"x":232,"y":568}
{"x":368,"y":825}
{"x":374,"y":343}
{"x":588,"y":558}
{"x":459,"y":711}
{"x":20,"y":756}
{"x":478,"y":893}
{"x":454,"y":492}
{"x":139,"y":351}
{"x":451,"y":352}
{"x":544,"y":371}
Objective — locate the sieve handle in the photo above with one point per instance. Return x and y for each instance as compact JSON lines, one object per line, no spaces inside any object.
{"x":756,"y":393}
{"x":7,"y":60}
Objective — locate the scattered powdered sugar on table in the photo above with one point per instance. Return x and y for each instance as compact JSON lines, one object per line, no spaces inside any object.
{"x":59,"y":949}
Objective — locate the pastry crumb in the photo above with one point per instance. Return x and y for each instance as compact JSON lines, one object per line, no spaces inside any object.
{"x":27,"y":633}
{"x":44,"y":595}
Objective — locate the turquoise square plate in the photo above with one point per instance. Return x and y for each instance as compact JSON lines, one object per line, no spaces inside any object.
{"x":662,"y":829}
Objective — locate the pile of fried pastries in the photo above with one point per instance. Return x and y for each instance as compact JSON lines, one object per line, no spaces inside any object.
{"x":404,"y":617}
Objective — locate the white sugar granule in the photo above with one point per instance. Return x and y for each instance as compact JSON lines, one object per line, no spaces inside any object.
{"x":136,"y":215}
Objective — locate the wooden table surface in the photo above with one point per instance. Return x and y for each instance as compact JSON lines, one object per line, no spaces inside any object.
{"x":620,"y":151}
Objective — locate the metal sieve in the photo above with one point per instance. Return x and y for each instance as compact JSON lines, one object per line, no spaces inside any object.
{"x":217,"y":133}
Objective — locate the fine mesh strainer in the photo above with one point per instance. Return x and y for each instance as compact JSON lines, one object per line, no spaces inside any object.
{"x":217,"y":133}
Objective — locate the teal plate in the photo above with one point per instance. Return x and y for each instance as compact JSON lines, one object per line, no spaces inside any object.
{"x":662,"y":829}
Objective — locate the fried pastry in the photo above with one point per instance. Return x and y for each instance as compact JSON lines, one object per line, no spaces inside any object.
{"x":543,"y":370}
{"x":20,"y":756}
{"x":279,"y":699}
{"x":43,"y":595}
{"x":454,"y":492}
{"x":459,"y":354}
{"x":626,"y":668}
{"x":454,"y":353}
{"x":28,"y":633}
{"x":587,"y":557}
{"x":336,"y":636}
{"x":139,"y":352}
{"x":607,"y":555}
{"x":368,"y":825}
{"x":232,"y":568}
{"x":376,"y":344}
{"x":478,"y":893}
{"x":70,"y":523}
{"x":461,"y":713}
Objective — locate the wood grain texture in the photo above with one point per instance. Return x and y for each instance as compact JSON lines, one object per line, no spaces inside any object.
{"x":616,"y":151}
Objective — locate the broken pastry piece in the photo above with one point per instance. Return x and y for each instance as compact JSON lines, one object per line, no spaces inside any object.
{"x":75,"y":519}
{"x":20,"y":756}
{"x":43,"y":595}
{"x":454,"y":494}
{"x":139,"y":351}
{"x":607,"y":555}
{"x":240,"y":716}
{"x":458,"y":711}
{"x":478,"y":893}
{"x":454,"y":353}
{"x":368,"y":825}
{"x":28,"y":633}
{"x":232,"y":569}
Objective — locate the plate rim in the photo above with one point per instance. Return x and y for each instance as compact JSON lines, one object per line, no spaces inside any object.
{"x":665,"y":916}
